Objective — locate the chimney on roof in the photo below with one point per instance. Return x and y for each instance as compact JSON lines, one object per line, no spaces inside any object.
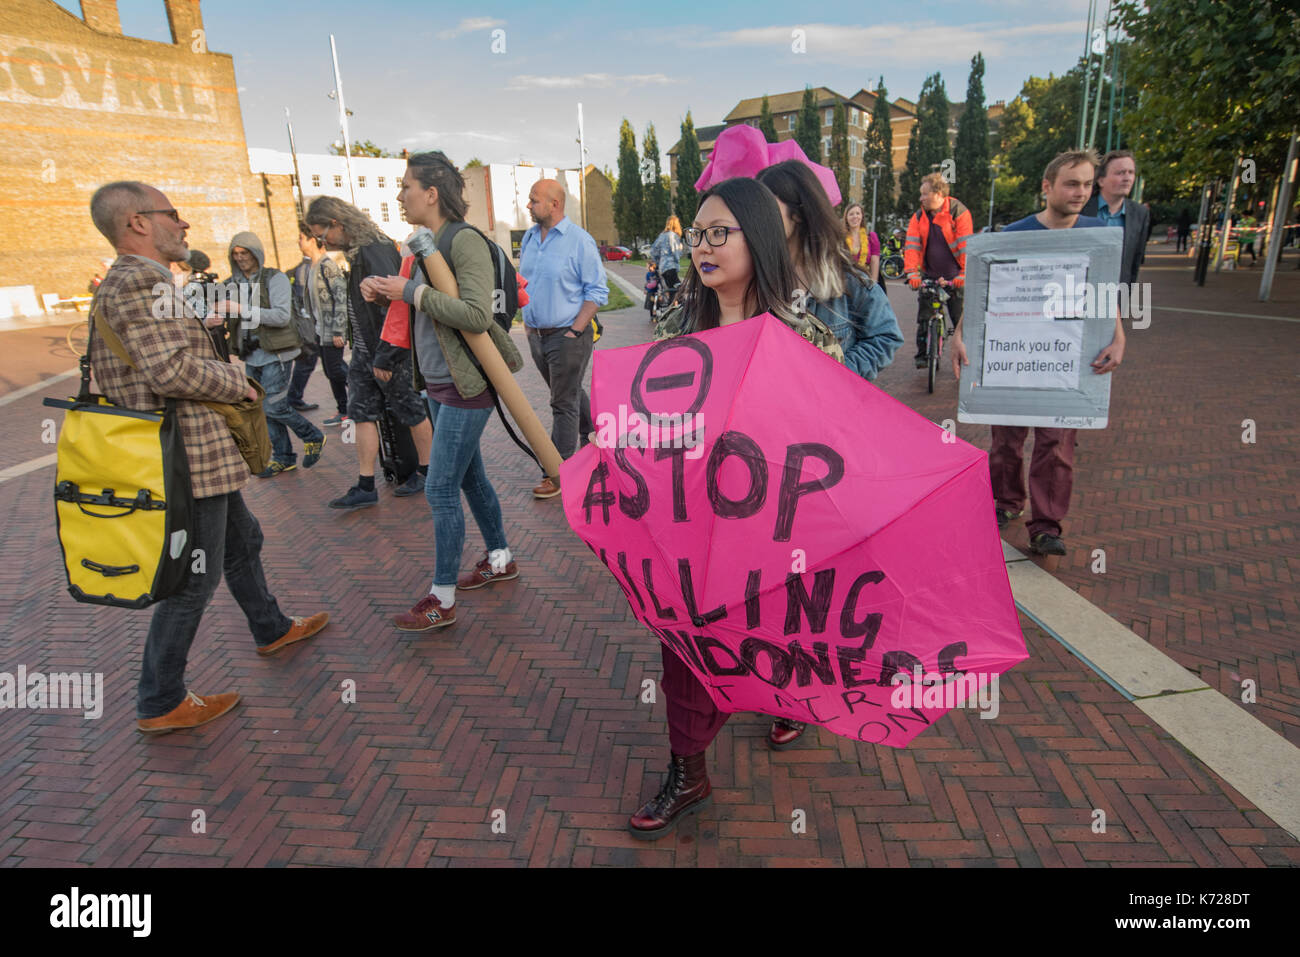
{"x":101,"y":15}
{"x":185,"y":17}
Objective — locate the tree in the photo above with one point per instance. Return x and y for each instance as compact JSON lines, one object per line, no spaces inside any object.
{"x":655,"y":198}
{"x":932,"y":122}
{"x":474,"y":162}
{"x":840,"y":149}
{"x":879,"y":147}
{"x":1240,"y":77}
{"x":361,"y":148}
{"x":909,"y":182}
{"x":808,"y":128}
{"x":689,"y":169}
{"x":971,"y":154}
{"x":767,"y":125}
{"x":628,"y":199}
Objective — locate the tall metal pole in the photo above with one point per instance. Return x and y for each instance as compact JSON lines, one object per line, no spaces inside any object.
{"x":1227,"y":216}
{"x":343,"y":121}
{"x":993,"y":185}
{"x":876,"y":167}
{"x":1110,"y":112}
{"x":1087,"y":72}
{"x":1101,"y":75}
{"x":1279,"y":217}
{"x":582,"y":171}
{"x":297,"y":177}
{"x":1204,"y":235}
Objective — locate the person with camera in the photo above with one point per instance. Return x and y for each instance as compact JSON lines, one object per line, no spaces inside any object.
{"x":259,"y":316}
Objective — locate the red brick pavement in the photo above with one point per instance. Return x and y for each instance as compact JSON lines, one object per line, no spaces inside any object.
{"x":531,"y":705}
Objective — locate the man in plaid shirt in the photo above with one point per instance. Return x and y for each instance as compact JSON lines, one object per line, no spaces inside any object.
{"x":173,"y":357}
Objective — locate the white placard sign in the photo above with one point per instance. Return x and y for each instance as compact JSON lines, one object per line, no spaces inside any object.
{"x":1032,"y":355}
{"x":1033,"y":288}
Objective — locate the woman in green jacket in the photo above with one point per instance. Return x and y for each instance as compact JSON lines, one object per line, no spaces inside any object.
{"x":460,"y":401}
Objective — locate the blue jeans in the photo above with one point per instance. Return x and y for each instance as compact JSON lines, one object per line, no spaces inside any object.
{"x":456,"y":465}
{"x":280,"y":415}
{"x":231,"y":542}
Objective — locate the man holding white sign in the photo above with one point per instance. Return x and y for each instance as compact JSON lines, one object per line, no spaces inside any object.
{"x":1021,"y":349}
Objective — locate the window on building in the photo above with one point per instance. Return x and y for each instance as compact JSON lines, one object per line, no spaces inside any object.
{"x":791,"y":118}
{"x":830,"y":117}
{"x":382,"y":182}
{"x":366,"y":210}
{"x":383,"y":211}
{"x":315,"y":179}
{"x":338,"y":181}
{"x":853,"y":117}
{"x":853,"y":146}
{"x":826,"y":145}
{"x":361,"y":182}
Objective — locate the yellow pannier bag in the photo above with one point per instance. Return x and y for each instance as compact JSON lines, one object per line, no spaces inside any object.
{"x":123,"y":502}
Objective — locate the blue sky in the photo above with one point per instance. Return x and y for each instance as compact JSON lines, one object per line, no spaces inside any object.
{"x":421,"y":75}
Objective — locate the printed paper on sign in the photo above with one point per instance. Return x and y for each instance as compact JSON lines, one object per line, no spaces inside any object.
{"x":1032,"y":355}
{"x":1034,"y":288}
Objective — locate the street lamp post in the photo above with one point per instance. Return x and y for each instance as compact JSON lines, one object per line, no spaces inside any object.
{"x":876,"y":167}
{"x":993,"y":185}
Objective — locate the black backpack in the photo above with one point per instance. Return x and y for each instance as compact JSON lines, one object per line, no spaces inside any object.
{"x":505,"y":279}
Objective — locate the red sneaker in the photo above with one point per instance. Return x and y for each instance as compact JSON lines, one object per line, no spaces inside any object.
{"x":427,"y":615}
{"x":484,"y":575}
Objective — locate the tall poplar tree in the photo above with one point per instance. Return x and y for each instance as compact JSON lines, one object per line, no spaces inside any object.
{"x":654,"y":194}
{"x":808,"y":128}
{"x":972,"y":150}
{"x":628,"y":214}
{"x":840,"y":149}
{"x":880,"y":147}
{"x":689,"y":168}
{"x":767,"y":125}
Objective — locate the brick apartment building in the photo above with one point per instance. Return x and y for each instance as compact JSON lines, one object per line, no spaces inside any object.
{"x":82,"y":105}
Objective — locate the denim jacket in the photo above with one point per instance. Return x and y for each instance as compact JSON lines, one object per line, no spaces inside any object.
{"x":864,"y":323}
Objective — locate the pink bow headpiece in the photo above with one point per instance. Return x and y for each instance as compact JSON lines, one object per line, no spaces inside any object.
{"x":742,"y":151}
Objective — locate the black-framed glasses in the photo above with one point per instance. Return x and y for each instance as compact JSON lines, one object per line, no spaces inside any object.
{"x":716,"y":235}
{"x":174,"y":214}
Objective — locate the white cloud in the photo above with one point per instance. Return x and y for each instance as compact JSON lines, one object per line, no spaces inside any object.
{"x":588,"y":80}
{"x":471,"y":25}
{"x":925,"y":41}
{"x":430,"y":136}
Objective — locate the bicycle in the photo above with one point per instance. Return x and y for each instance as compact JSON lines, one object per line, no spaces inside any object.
{"x":933,"y":297}
{"x":891,"y":261}
{"x":662,"y":300}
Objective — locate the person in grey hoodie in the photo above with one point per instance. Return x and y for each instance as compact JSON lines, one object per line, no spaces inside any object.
{"x":261,"y":320}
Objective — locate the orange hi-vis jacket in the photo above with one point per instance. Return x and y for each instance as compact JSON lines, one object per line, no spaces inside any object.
{"x":955,"y":221}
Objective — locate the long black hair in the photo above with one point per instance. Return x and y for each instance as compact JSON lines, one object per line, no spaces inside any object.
{"x":771,"y":288}
{"x":433,"y":169}
{"x":825,"y":258}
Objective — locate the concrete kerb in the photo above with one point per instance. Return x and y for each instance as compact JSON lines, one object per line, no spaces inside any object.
{"x":1259,"y":763}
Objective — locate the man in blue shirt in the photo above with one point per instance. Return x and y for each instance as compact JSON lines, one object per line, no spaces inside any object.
{"x":1067,"y":185}
{"x":566,"y":285}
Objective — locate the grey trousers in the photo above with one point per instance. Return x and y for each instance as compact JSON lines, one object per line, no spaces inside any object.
{"x":562,"y":361}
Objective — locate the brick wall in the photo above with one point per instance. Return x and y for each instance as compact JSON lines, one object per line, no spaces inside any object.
{"x":80,"y":107}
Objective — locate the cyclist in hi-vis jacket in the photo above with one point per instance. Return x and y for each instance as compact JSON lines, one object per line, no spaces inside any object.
{"x":936,"y":249}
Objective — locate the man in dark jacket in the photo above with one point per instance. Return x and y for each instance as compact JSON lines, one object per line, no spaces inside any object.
{"x":342,"y":226}
{"x":1115,"y":178}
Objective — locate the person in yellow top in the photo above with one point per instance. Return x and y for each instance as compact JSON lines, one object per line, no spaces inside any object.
{"x":864,"y":246}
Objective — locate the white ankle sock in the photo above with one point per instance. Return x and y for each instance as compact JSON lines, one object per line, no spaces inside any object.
{"x":499,"y":558}
{"x":446,"y":594}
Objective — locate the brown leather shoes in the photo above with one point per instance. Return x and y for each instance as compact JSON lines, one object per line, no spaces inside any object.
{"x":685,"y":790}
{"x":546,"y":489}
{"x":427,"y":615}
{"x":302,"y":628}
{"x":190,"y":713}
{"x":784,"y":733}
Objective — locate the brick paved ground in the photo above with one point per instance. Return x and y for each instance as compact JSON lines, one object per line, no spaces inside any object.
{"x":530,"y":704}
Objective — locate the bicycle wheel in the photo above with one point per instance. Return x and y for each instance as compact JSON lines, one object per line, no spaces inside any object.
{"x":932,"y":350}
{"x":892,"y":267}
{"x":79,"y":338}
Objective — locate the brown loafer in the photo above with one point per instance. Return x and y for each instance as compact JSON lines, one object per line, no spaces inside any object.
{"x":546,"y":489}
{"x":784,"y":733}
{"x":302,"y":628}
{"x":190,"y":713}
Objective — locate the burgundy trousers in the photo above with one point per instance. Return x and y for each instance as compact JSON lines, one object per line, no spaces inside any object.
{"x":1051,"y":474}
{"x":693,"y":719}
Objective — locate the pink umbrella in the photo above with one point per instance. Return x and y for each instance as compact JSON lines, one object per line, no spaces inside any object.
{"x":743,"y":151}
{"x":795,"y":535}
